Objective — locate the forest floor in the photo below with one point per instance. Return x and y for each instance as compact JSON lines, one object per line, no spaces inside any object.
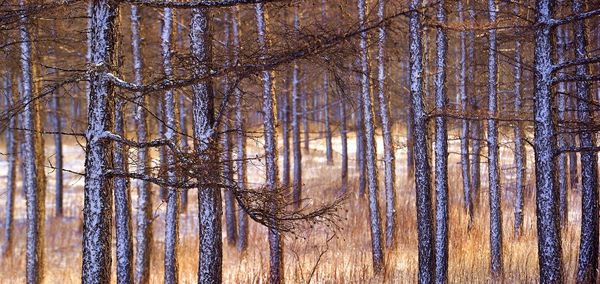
{"x":309,"y":257}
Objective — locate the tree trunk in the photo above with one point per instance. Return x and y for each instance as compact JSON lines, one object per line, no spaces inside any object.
{"x":495,"y":197}
{"x":304,"y":98}
{"x":371,"y":151}
{"x":242,"y":242}
{"x":58,"y":162}
{"x":276,"y":272}
{"x":548,"y":223}
{"x":170,"y":134}
{"x":476,"y":126}
{"x":285,"y":137}
{"x":144,"y":202}
{"x":344,"y":151}
{"x":328,"y":146}
{"x":425,"y":226}
{"x":183,"y":194}
{"x":588,"y":248}
{"x":561,"y":41}
{"x":520,"y":153}
{"x":464,"y":132}
{"x":33,"y":160}
{"x":124,"y":230}
{"x":97,"y":212}
{"x":227,"y":157}
{"x":11,"y":182}
{"x":360,"y":144}
{"x":388,"y":142}
{"x":441,"y":153}
{"x":296,"y":101}
{"x":210,"y":265}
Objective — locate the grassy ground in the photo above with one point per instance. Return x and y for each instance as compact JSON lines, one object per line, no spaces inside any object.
{"x":309,"y":256}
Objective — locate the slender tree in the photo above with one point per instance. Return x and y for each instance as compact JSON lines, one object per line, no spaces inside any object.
{"x":97,"y":211}
{"x":269,"y":109}
{"x":11,"y":181}
{"x":548,"y":224}
{"x":170,"y":134}
{"x":296,"y":112}
{"x":520,"y":154}
{"x":464,"y":132}
{"x":441,"y":153}
{"x":388,"y":141}
{"x":33,"y":157}
{"x":587,"y":271}
{"x":371,"y":151}
{"x":242,"y":241}
{"x":425,"y":225}
{"x":561,"y":38}
{"x":210,"y":265}
{"x":328,"y":145}
{"x":144,"y":199}
{"x":493,"y":155}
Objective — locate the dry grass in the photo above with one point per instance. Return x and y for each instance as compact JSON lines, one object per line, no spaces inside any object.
{"x":345,"y":259}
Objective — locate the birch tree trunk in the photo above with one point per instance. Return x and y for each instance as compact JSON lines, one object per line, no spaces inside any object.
{"x":209,"y":198}
{"x":242,"y":242}
{"x":11,"y":182}
{"x":548,"y":224}
{"x":441,"y":153}
{"x":588,"y":248}
{"x":476,"y":126}
{"x":425,"y":226}
{"x":495,"y":196}
{"x":296,"y":113}
{"x":33,"y":158}
{"x":276,"y":272}
{"x":328,"y":146}
{"x":285,"y":137}
{"x":360,"y":144}
{"x":144,"y":201}
{"x":170,"y":134}
{"x":305,"y":126}
{"x":97,"y":212}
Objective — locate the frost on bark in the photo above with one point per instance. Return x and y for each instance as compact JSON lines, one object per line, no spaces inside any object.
{"x":369,"y":146}
{"x":226,"y":145}
{"x":441,"y":153}
{"x":170,"y":134}
{"x":97,"y":212}
{"x":493,"y":154}
{"x":296,"y":113}
{"x":209,"y":197}
{"x":33,"y":159}
{"x":123,"y":227}
{"x":464,"y":131}
{"x":276,"y":268}
{"x":425,"y":226}
{"x":587,"y":271}
{"x":520,"y":153}
{"x":548,"y":223}
{"x":242,"y":242}
{"x":561,"y":42}
{"x":388,"y":142}
{"x":11,"y":182}
{"x":144,"y":202}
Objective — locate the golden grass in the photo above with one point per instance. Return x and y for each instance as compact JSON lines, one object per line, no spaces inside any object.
{"x":345,"y":259}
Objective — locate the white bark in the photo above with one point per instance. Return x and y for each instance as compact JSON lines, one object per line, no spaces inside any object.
{"x":296,"y":113}
{"x":269,"y":110}
{"x":371,"y":151}
{"x":11,"y":182}
{"x":144,"y":202}
{"x":97,"y":212}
